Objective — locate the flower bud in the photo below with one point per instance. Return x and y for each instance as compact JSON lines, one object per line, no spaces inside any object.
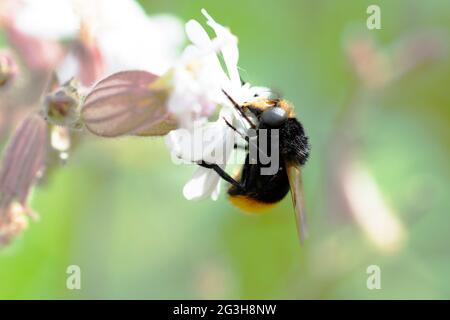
{"x":37,"y":54}
{"x":128,"y":103}
{"x":21,"y":166}
{"x":12,"y":222}
{"x":61,"y":106}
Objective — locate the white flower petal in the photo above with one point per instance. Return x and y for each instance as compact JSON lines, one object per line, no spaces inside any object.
{"x":182,"y":145}
{"x":197,"y":34}
{"x":230,"y":51}
{"x":68,"y":68}
{"x":47,"y":19}
{"x":145,"y":44}
{"x":215,"y":194}
{"x":104,"y":15}
{"x":202,"y":184}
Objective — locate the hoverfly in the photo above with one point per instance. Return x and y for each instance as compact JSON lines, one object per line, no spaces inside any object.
{"x":253,"y":191}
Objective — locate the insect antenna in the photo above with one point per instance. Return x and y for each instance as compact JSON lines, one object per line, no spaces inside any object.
{"x":246,"y":138}
{"x":240,"y":109}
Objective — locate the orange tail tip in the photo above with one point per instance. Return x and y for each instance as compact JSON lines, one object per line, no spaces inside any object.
{"x":250,"y":205}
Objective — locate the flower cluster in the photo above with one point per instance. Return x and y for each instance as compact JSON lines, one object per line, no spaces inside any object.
{"x":200,"y":83}
{"x":114,"y":71}
{"x":180,"y":103}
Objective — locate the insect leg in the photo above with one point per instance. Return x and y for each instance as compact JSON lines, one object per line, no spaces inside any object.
{"x":239,"y":108}
{"x":246,"y":138}
{"x":220,"y":172}
{"x":241,"y":147}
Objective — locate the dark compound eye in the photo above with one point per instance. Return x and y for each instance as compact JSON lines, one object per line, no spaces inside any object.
{"x":274,"y":117}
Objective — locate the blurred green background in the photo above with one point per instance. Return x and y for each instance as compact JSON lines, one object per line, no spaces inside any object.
{"x":117,"y":209}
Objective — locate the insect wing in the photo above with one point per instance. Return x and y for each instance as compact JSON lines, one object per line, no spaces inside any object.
{"x":296,"y":185}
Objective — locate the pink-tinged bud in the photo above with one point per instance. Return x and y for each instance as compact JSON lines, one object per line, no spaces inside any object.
{"x":90,"y":59}
{"x":61,"y":105}
{"x":37,"y":54}
{"x":13,"y":223}
{"x":371,"y":64}
{"x":21,"y":166}
{"x":128,"y":103}
{"x":8,"y":70}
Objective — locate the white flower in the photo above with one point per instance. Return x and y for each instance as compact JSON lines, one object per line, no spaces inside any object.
{"x":211,"y":142}
{"x":198,"y":81}
{"x":126,"y":37}
{"x":47,"y":19}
